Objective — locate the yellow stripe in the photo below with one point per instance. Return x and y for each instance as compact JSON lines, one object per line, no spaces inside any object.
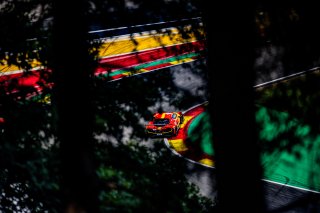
{"x":163,"y":115}
{"x":182,"y":61}
{"x":137,"y":44}
{"x":185,"y":120}
{"x":207,"y":162}
{"x":138,"y":71}
{"x":4,"y":67}
{"x":178,"y":145}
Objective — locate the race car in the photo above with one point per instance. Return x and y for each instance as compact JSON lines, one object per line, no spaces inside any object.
{"x":166,"y":124}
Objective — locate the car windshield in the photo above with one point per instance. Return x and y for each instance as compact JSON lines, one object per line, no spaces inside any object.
{"x":163,"y":121}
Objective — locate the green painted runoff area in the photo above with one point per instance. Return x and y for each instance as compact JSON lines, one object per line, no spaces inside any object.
{"x":288,"y":127}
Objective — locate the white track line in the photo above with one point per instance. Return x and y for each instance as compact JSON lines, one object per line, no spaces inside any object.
{"x":285,"y":77}
{"x":139,"y":35}
{"x":141,"y":25}
{"x":4,"y":73}
{"x":295,"y":187}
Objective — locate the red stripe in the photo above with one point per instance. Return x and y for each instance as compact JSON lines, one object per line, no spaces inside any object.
{"x":195,"y":111}
{"x":118,"y":76}
{"x":4,"y":78}
{"x":31,"y":81}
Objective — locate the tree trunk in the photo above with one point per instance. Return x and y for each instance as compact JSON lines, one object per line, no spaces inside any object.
{"x":230,"y":27}
{"x":72,"y":87}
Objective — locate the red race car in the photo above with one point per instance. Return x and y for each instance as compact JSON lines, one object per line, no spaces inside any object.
{"x":166,"y":124}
